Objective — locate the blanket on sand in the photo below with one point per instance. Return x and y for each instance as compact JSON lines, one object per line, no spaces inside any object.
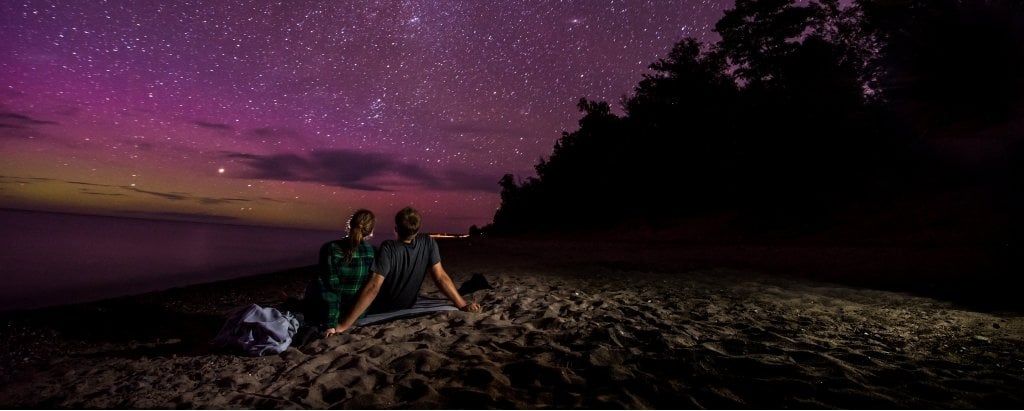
{"x":259,"y":331}
{"x":423,"y":305}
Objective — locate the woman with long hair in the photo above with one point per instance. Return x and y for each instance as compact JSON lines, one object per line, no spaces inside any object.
{"x":343,"y":269}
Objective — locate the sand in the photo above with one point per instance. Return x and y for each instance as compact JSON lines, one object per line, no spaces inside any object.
{"x":566,"y":326}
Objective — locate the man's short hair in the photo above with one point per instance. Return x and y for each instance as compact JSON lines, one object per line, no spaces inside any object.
{"x":407,"y":223}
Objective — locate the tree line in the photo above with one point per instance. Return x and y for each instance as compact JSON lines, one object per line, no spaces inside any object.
{"x":797,"y":111}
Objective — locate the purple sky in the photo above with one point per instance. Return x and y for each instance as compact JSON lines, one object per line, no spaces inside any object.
{"x":295,"y":113}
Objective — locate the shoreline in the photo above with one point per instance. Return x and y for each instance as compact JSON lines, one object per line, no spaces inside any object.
{"x":586,"y":325}
{"x":937,"y":269}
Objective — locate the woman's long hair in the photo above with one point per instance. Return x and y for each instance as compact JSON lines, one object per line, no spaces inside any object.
{"x":360,"y":226}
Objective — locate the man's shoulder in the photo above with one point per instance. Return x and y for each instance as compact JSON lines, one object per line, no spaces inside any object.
{"x":388,"y":245}
{"x":426,"y":238}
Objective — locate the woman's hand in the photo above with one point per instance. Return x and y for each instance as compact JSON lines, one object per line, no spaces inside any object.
{"x":470,"y":307}
{"x":338,"y":329}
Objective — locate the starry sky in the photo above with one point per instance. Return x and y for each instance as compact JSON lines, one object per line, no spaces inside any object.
{"x":296,"y":113}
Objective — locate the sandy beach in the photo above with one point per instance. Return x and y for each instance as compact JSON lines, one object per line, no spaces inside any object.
{"x":590,"y":325}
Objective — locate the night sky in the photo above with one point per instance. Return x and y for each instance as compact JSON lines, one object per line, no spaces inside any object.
{"x":296,"y":113}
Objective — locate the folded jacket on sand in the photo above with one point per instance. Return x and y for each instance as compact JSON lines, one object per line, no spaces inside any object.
{"x":257,"y":331}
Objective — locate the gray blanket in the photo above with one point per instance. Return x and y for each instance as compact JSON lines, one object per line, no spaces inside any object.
{"x":421,"y":307}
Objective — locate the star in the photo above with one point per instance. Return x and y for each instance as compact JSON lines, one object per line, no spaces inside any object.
{"x":383,"y":103}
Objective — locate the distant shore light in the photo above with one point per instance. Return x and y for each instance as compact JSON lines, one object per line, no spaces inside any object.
{"x":441,"y":235}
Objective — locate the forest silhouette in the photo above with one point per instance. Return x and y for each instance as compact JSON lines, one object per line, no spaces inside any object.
{"x":883,"y":120}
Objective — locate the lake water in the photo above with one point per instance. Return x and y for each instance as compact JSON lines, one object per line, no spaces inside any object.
{"x":50,"y":259}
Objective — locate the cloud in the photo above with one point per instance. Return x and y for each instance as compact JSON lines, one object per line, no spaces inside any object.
{"x":175,"y":196}
{"x":196,"y":217}
{"x":98,"y":193}
{"x":211,"y":200}
{"x":88,"y":184}
{"x":342,"y":168}
{"x":358,"y":171}
{"x":17,"y":125}
{"x":172,"y":196}
{"x":22,"y":180}
{"x":18,"y":120}
{"x":212,"y":126}
{"x":167,"y":196}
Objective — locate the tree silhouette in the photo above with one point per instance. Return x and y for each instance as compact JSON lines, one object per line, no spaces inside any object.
{"x":798,"y":111}
{"x":515,"y":211}
{"x":579,"y":183}
{"x":758,"y":34}
{"x":950,"y":62}
{"x":678,"y":121}
{"x":802,"y":113}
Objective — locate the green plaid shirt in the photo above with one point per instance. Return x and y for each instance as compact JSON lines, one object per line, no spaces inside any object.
{"x":340,"y":282}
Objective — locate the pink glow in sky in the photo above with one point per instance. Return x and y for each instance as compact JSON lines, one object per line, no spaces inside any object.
{"x":296,"y":113}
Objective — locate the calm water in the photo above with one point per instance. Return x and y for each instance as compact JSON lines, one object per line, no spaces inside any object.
{"x":49,"y":259}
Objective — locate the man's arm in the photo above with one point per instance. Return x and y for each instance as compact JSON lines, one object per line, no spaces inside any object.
{"x":444,"y":283}
{"x":366,"y":296}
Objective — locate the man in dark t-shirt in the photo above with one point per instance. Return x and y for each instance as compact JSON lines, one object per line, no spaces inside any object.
{"x":399,"y":271}
{"x":396,"y":258}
